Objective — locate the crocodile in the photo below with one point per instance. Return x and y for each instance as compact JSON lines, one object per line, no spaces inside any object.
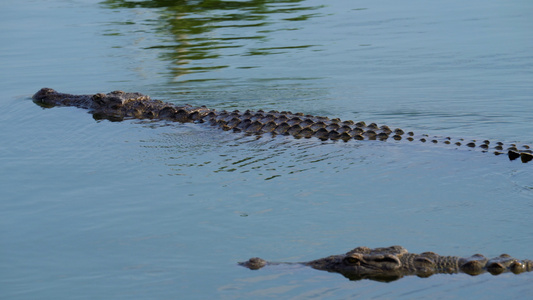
{"x":119,"y":105}
{"x":392,"y":263}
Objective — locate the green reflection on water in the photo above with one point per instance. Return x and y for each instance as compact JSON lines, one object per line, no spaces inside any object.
{"x":205,"y":32}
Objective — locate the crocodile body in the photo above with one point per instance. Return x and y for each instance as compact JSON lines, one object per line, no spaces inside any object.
{"x":395,"y":262}
{"x":119,"y":105}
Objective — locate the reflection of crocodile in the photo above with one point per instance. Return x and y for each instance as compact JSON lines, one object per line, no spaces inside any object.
{"x":119,"y":105}
{"x":392,"y":263}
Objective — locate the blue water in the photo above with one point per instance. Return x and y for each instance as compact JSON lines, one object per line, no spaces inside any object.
{"x":142,"y":210}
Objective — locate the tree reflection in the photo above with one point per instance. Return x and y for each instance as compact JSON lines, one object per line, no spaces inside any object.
{"x":209,"y":29}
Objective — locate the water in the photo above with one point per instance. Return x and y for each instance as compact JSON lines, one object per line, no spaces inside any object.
{"x":137,"y":209}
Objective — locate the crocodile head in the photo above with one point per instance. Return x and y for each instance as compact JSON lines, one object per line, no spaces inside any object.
{"x":48,"y":97}
{"x":381,"y":264}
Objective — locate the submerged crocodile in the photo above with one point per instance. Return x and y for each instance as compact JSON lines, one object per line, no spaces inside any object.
{"x":119,"y":105}
{"x":392,"y":263}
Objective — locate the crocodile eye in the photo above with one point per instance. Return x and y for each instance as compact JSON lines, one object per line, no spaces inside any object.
{"x":351,"y":260}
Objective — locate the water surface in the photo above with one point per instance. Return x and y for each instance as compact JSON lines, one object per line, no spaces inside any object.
{"x":139,"y":209}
